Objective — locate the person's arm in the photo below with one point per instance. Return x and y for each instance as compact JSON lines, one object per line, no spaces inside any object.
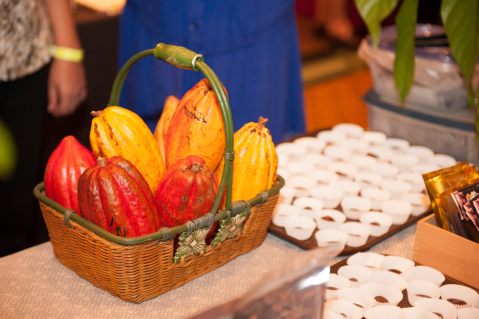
{"x":66,"y":84}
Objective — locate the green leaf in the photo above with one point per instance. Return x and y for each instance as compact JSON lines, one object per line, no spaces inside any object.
{"x":373,"y":12}
{"x":404,"y":60}
{"x":461,"y":22}
{"x":8,"y":152}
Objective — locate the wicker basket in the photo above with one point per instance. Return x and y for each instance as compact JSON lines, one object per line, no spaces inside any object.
{"x":141,"y":268}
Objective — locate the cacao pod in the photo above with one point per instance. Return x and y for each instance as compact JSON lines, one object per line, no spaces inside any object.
{"x":161,"y":129}
{"x":114,"y":195}
{"x":196,"y":127}
{"x":65,"y":164}
{"x":116,"y":131}
{"x":255,"y":163}
{"x":187,"y":191}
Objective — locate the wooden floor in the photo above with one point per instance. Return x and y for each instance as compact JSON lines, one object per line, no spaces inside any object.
{"x":334,"y":82}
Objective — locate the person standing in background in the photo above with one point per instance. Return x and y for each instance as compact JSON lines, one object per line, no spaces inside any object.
{"x":41,"y":72}
{"x":331,"y":19}
{"x":251,"y":45}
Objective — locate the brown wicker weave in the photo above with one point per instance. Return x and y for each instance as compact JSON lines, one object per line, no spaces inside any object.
{"x":141,"y":272}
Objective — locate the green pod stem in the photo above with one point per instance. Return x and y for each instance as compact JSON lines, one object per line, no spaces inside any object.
{"x":180,"y":57}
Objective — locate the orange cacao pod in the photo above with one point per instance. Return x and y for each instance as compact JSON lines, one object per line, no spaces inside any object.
{"x":161,"y":129}
{"x":64,"y":167}
{"x":196,"y":128}
{"x":115,"y":196}
{"x":187,"y":191}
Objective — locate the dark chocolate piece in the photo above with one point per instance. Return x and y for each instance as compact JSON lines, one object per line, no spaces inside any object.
{"x":381,"y":299}
{"x":457,"y":302}
{"x":395,"y":271}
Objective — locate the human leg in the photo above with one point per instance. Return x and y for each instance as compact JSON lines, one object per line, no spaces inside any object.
{"x":23,"y":108}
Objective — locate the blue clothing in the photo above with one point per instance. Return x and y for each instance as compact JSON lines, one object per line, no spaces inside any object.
{"x":252,"y":46}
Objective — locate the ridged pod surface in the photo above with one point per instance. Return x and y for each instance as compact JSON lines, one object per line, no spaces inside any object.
{"x":115,"y":196}
{"x":196,"y":128}
{"x":255,"y":163}
{"x":116,"y":131}
{"x":186,"y":192}
{"x":64,"y":167}
{"x":161,"y":129}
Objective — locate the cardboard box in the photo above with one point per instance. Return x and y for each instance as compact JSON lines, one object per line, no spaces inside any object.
{"x":456,"y":256}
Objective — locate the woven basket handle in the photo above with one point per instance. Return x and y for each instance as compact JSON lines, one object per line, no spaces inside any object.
{"x":186,"y":59}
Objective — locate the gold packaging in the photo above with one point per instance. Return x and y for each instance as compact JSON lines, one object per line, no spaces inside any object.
{"x":440,"y":184}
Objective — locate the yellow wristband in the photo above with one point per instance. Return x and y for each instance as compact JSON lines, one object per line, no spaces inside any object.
{"x":66,"y":54}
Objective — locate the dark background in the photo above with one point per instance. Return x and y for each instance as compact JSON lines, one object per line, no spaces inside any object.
{"x":99,"y":37}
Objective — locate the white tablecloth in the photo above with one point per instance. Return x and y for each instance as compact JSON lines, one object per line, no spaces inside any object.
{"x":33,"y":284}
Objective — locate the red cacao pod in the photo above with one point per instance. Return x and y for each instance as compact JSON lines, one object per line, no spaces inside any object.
{"x":115,"y":196}
{"x":64,"y":167}
{"x":186,"y":191}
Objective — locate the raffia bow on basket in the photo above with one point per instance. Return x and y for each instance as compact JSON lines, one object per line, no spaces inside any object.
{"x":140,"y":268}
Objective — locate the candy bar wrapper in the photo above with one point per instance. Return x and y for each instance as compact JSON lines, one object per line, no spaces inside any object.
{"x":475,"y":202}
{"x":462,"y":216}
{"x":450,"y":212}
{"x":472,"y":209}
{"x":445,"y":181}
{"x":466,"y":200}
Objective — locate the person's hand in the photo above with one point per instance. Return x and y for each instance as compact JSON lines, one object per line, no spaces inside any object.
{"x":66,"y":87}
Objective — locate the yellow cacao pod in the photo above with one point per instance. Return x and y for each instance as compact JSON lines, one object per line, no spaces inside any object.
{"x":196,"y":128}
{"x":255,"y":163}
{"x":161,"y":129}
{"x":116,"y":131}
